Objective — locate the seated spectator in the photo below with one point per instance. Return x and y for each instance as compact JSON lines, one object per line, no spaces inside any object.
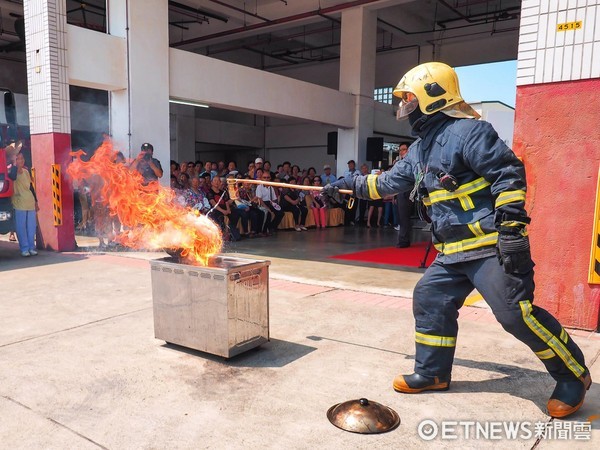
{"x":258,"y":164}
{"x":267,"y":168}
{"x":291,"y":201}
{"x":260,"y":218}
{"x":221,"y":207}
{"x":311,"y":174}
{"x":198,"y":168}
{"x":280,"y":175}
{"x":195,"y":198}
{"x":269,"y":197}
{"x":250,"y":173}
{"x":318,"y":206}
{"x":297,"y":174}
{"x":206,"y":185}
{"x":222,"y":170}
{"x":184,"y":181}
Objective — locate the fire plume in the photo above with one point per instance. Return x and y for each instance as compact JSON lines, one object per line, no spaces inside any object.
{"x":151,"y":217}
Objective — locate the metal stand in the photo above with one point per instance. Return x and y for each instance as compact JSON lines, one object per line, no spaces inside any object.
{"x":427,"y":250}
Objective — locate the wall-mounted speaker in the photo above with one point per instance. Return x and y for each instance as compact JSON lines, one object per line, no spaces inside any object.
{"x":332,"y":143}
{"x":375,"y":149}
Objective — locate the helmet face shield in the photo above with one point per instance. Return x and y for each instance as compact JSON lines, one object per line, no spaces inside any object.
{"x":408,"y":103}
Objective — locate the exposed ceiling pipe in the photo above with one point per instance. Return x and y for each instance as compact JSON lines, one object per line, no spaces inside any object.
{"x":500,"y":14}
{"x":235,"y":8}
{"x":279,"y":21}
{"x":270,"y":40}
{"x":181,"y":7}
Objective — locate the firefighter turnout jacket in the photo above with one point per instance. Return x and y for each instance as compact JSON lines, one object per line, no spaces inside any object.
{"x":466,"y":176}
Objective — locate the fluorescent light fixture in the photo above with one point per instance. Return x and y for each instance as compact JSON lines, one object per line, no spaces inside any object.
{"x":187,"y":102}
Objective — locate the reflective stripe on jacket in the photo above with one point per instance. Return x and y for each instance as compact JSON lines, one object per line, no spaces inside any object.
{"x":490,"y":179}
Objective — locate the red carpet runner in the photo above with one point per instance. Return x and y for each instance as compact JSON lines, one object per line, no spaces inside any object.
{"x":411,"y":256}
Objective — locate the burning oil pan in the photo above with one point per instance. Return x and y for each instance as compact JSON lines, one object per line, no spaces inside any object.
{"x":222,"y":308}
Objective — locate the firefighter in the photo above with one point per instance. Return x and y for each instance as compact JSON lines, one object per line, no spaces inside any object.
{"x":474,"y":188}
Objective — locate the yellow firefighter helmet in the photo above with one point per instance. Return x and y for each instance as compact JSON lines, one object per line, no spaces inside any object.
{"x":432,"y":87}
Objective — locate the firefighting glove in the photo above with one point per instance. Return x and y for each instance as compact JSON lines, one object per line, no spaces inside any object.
{"x":513,"y":250}
{"x":332,"y":190}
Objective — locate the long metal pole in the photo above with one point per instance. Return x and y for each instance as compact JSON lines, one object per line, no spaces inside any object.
{"x":234,"y":181}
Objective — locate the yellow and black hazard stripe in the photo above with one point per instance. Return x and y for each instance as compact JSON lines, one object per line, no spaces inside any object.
{"x":56,"y":195}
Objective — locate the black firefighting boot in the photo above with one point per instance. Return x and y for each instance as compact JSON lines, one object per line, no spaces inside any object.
{"x":568,"y":396}
{"x":415,"y":383}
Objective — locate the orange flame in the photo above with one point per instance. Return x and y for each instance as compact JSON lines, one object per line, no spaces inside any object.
{"x":150,"y":216}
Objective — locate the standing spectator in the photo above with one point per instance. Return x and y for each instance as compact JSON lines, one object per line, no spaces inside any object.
{"x":311,"y":174}
{"x":269,"y":197}
{"x":351,"y":169}
{"x":208,"y":167}
{"x":26,"y":206}
{"x":291,"y":201}
{"x":318,"y":206}
{"x":405,"y":207}
{"x":390,"y":209}
{"x":363,"y":205}
{"x":146,"y":165}
{"x":327,"y":177}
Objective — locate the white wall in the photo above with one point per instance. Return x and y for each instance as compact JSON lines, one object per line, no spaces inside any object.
{"x":547,"y":54}
{"x":230,"y":86}
{"x":501,"y":117}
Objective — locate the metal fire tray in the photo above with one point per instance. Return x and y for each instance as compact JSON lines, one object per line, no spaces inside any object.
{"x":222,"y":308}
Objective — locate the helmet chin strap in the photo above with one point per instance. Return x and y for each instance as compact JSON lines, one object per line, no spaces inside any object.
{"x":417,"y":119}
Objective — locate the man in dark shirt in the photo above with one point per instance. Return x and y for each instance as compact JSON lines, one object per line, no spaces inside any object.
{"x":146,"y":165}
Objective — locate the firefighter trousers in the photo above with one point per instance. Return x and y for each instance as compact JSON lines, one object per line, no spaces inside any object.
{"x":442,"y":291}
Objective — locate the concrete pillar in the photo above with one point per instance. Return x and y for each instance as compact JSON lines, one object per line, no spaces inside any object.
{"x":557,"y":135}
{"x":183,"y":126}
{"x":140,"y":113}
{"x":357,"y":76}
{"x":49,"y":118}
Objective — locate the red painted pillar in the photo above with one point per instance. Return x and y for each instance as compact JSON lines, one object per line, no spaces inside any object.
{"x":49,"y":149}
{"x":49,"y":117}
{"x":557,"y":135}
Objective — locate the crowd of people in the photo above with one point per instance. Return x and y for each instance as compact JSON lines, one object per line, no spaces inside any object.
{"x":257,"y":210}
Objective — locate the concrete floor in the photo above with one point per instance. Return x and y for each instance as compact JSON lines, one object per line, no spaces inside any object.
{"x":80,"y":367}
